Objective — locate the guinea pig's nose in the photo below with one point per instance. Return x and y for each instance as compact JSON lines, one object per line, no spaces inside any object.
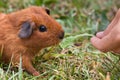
{"x":61,"y":35}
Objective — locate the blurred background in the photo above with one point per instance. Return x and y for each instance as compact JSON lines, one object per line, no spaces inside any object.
{"x":75,"y":58}
{"x":75,"y":15}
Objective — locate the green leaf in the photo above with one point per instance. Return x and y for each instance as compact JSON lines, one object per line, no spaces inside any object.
{"x":69,"y":40}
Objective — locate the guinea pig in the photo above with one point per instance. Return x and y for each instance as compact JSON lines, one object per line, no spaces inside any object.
{"x":24,"y":33}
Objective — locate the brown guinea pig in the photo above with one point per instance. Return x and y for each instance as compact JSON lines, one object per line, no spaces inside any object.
{"x":24,"y":33}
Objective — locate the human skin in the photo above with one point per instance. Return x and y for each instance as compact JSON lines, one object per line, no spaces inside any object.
{"x":109,"y":39}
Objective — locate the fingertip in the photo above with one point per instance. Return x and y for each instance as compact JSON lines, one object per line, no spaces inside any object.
{"x":93,"y":39}
{"x":96,"y":42}
{"x":99,"y":44}
{"x":100,"y":34}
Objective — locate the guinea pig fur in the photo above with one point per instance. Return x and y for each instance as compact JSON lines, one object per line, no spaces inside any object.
{"x":24,"y":33}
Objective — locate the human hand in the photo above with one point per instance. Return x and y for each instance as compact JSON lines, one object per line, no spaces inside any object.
{"x":109,"y":39}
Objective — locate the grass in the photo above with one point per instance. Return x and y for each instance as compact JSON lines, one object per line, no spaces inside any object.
{"x":74,"y":58}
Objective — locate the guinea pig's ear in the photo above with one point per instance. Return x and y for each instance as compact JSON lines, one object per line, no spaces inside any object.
{"x":26,"y":30}
{"x":47,"y":11}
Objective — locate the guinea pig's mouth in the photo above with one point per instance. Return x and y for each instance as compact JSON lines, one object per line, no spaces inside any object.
{"x":57,"y":42}
{"x":61,"y":35}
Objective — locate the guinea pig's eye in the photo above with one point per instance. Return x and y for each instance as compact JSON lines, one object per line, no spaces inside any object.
{"x":42,"y":28}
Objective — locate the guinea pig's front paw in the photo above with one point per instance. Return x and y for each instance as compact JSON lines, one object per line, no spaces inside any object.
{"x":35,"y":73}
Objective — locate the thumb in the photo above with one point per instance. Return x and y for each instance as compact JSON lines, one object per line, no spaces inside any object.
{"x":101,"y":44}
